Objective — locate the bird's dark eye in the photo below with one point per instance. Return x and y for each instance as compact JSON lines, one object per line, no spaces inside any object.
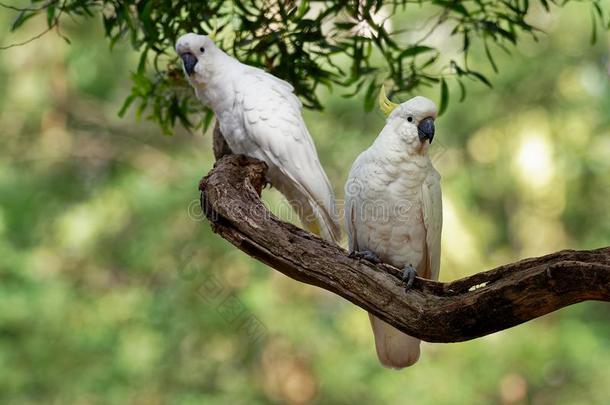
{"x":202,"y":49}
{"x":410,"y":119}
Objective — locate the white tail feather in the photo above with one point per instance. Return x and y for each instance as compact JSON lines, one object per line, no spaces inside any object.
{"x":317,"y":220}
{"x":395,"y":349}
{"x":316,"y":217}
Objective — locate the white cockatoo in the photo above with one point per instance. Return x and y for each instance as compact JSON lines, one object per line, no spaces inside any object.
{"x":260,"y":116}
{"x":393,"y":210}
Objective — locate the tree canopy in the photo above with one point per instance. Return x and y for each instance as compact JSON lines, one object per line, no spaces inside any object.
{"x":305,"y":42}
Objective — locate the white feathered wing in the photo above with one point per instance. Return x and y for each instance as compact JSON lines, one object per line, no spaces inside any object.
{"x":277,"y":134}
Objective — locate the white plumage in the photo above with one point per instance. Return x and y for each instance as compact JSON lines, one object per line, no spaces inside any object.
{"x":260,"y":116}
{"x":393,"y":209}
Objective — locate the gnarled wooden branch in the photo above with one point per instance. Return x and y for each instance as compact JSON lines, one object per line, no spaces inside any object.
{"x":436,"y":312}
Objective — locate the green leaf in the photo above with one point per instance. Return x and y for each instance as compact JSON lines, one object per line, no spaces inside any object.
{"x":444,"y":97}
{"x":369,"y":97}
{"x":147,"y":23}
{"x":208,"y":116}
{"x":429,"y":62}
{"x":490,"y":57}
{"x":303,"y":8}
{"x":142,"y":62}
{"x":479,"y":77}
{"x":415,"y":50}
{"x":345,"y":25}
{"x":22,"y":17}
{"x":50,"y":15}
{"x":466,"y":45}
{"x":453,"y":5}
{"x":598,"y":10}
{"x":462,"y":91}
{"x":495,"y":28}
{"x":128,"y":101}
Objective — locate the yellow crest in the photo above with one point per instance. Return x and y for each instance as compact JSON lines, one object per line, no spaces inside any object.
{"x":384,"y":102}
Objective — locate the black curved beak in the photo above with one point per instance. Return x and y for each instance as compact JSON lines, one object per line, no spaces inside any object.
{"x":425,"y":129}
{"x":189,"y":60}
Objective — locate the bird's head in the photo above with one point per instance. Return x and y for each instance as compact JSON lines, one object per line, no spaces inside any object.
{"x":413,"y":119}
{"x":197,"y":53}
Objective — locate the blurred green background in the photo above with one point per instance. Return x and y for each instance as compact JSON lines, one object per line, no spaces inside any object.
{"x":114,"y":290}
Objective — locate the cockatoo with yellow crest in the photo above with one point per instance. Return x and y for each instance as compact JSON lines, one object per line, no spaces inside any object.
{"x":260,"y":116}
{"x":393,"y":210}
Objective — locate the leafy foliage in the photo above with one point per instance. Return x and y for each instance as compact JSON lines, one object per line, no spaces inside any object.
{"x":305,"y":42}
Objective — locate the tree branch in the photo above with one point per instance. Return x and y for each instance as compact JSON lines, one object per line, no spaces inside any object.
{"x":461,"y":310}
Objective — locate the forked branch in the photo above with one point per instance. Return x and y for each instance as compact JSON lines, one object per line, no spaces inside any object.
{"x":464,"y":309}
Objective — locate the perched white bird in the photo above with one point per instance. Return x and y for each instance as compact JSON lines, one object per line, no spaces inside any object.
{"x":393,"y":210}
{"x":260,"y":116}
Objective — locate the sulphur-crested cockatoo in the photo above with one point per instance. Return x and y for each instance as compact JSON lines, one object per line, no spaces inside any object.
{"x":393,"y":210}
{"x":260,"y":116}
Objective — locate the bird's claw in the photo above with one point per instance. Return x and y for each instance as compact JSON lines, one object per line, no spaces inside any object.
{"x":366,"y":255}
{"x":408,"y":276}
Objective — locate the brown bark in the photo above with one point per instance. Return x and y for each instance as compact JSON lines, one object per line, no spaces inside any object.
{"x":464,"y":309}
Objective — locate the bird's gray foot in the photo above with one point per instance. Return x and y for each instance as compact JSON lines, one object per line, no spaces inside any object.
{"x":366,"y":255}
{"x":408,"y":276}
